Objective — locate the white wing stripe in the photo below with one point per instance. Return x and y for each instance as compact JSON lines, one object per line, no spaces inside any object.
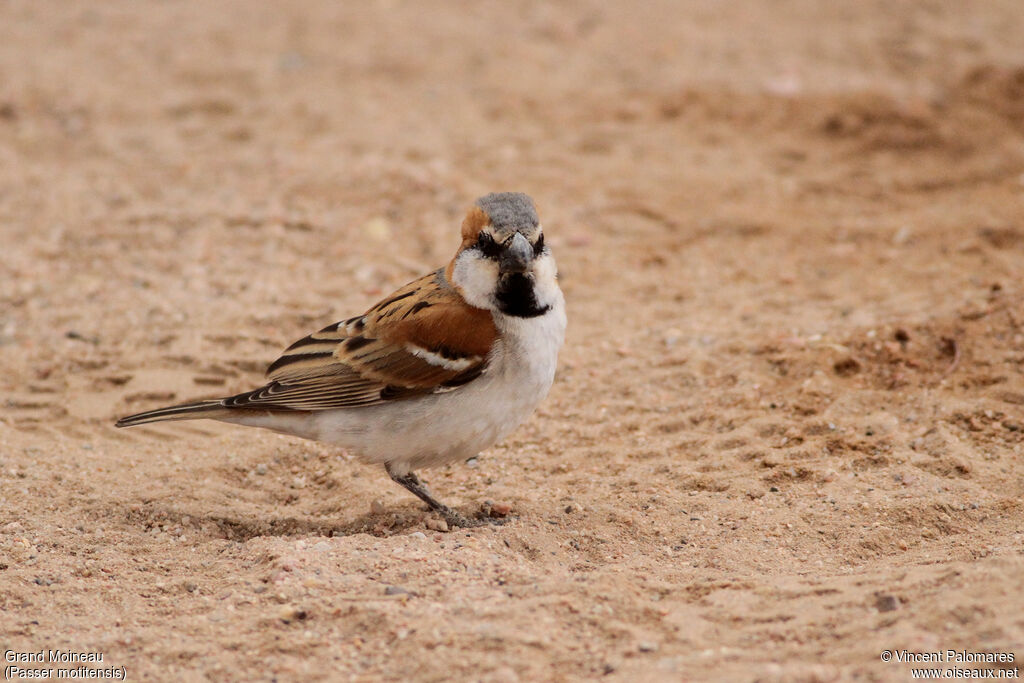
{"x":458,"y":364}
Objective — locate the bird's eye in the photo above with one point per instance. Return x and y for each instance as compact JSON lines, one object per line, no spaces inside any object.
{"x":538,"y":247}
{"x":487,"y":245}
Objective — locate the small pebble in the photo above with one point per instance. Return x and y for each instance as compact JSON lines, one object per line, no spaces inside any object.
{"x":261,"y":469}
{"x":436,"y":524}
{"x":322,"y":546}
{"x":377,"y":507}
{"x":672,"y":336}
{"x":902,"y":236}
{"x":500,"y":510}
{"x":505,"y":674}
{"x":396,"y":590}
{"x":289,"y":613}
{"x":886,"y":603}
{"x":378,"y":229}
{"x":418,"y":535}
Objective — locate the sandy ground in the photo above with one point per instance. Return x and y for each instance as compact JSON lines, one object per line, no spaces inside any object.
{"x":787,"y":429}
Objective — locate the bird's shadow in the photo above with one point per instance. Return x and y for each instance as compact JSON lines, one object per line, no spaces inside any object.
{"x":397,"y":520}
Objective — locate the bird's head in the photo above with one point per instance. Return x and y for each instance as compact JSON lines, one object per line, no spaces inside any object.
{"x":503,"y":264}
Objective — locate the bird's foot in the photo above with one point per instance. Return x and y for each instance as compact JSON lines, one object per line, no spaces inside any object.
{"x":457,"y":519}
{"x":485,"y":517}
{"x":490,"y":514}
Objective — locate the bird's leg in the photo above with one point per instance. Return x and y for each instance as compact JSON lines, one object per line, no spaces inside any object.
{"x":416,"y":487}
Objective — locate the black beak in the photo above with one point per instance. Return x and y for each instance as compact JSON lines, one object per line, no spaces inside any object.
{"x":517,"y":256}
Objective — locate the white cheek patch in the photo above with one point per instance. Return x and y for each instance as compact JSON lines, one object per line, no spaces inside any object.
{"x":477,"y":277}
{"x":545,"y":273}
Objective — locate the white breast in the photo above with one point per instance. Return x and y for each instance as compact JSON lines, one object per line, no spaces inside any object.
{"x":456,"y":424}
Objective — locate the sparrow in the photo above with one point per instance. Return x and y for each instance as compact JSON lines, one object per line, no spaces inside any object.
{"x":438,"y":371}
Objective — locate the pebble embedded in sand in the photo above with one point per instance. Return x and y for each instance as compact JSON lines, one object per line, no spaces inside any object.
{"x":500,"y":510}
{"x":435,"y":524}
{"x":886,"y":603}
{"x":289,"y":613}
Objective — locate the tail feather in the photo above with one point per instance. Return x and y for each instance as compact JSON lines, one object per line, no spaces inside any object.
{"x":187,"y":411}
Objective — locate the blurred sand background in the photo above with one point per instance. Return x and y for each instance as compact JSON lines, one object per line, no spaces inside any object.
{"x":787,"y":428}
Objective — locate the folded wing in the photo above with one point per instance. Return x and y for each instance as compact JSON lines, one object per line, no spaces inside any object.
{"x":422,"y":339}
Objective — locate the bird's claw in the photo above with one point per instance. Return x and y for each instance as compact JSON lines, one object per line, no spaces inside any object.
{"x":456,"y":519}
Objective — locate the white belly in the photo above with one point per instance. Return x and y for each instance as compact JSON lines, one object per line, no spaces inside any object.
{"x":453,"y":425}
